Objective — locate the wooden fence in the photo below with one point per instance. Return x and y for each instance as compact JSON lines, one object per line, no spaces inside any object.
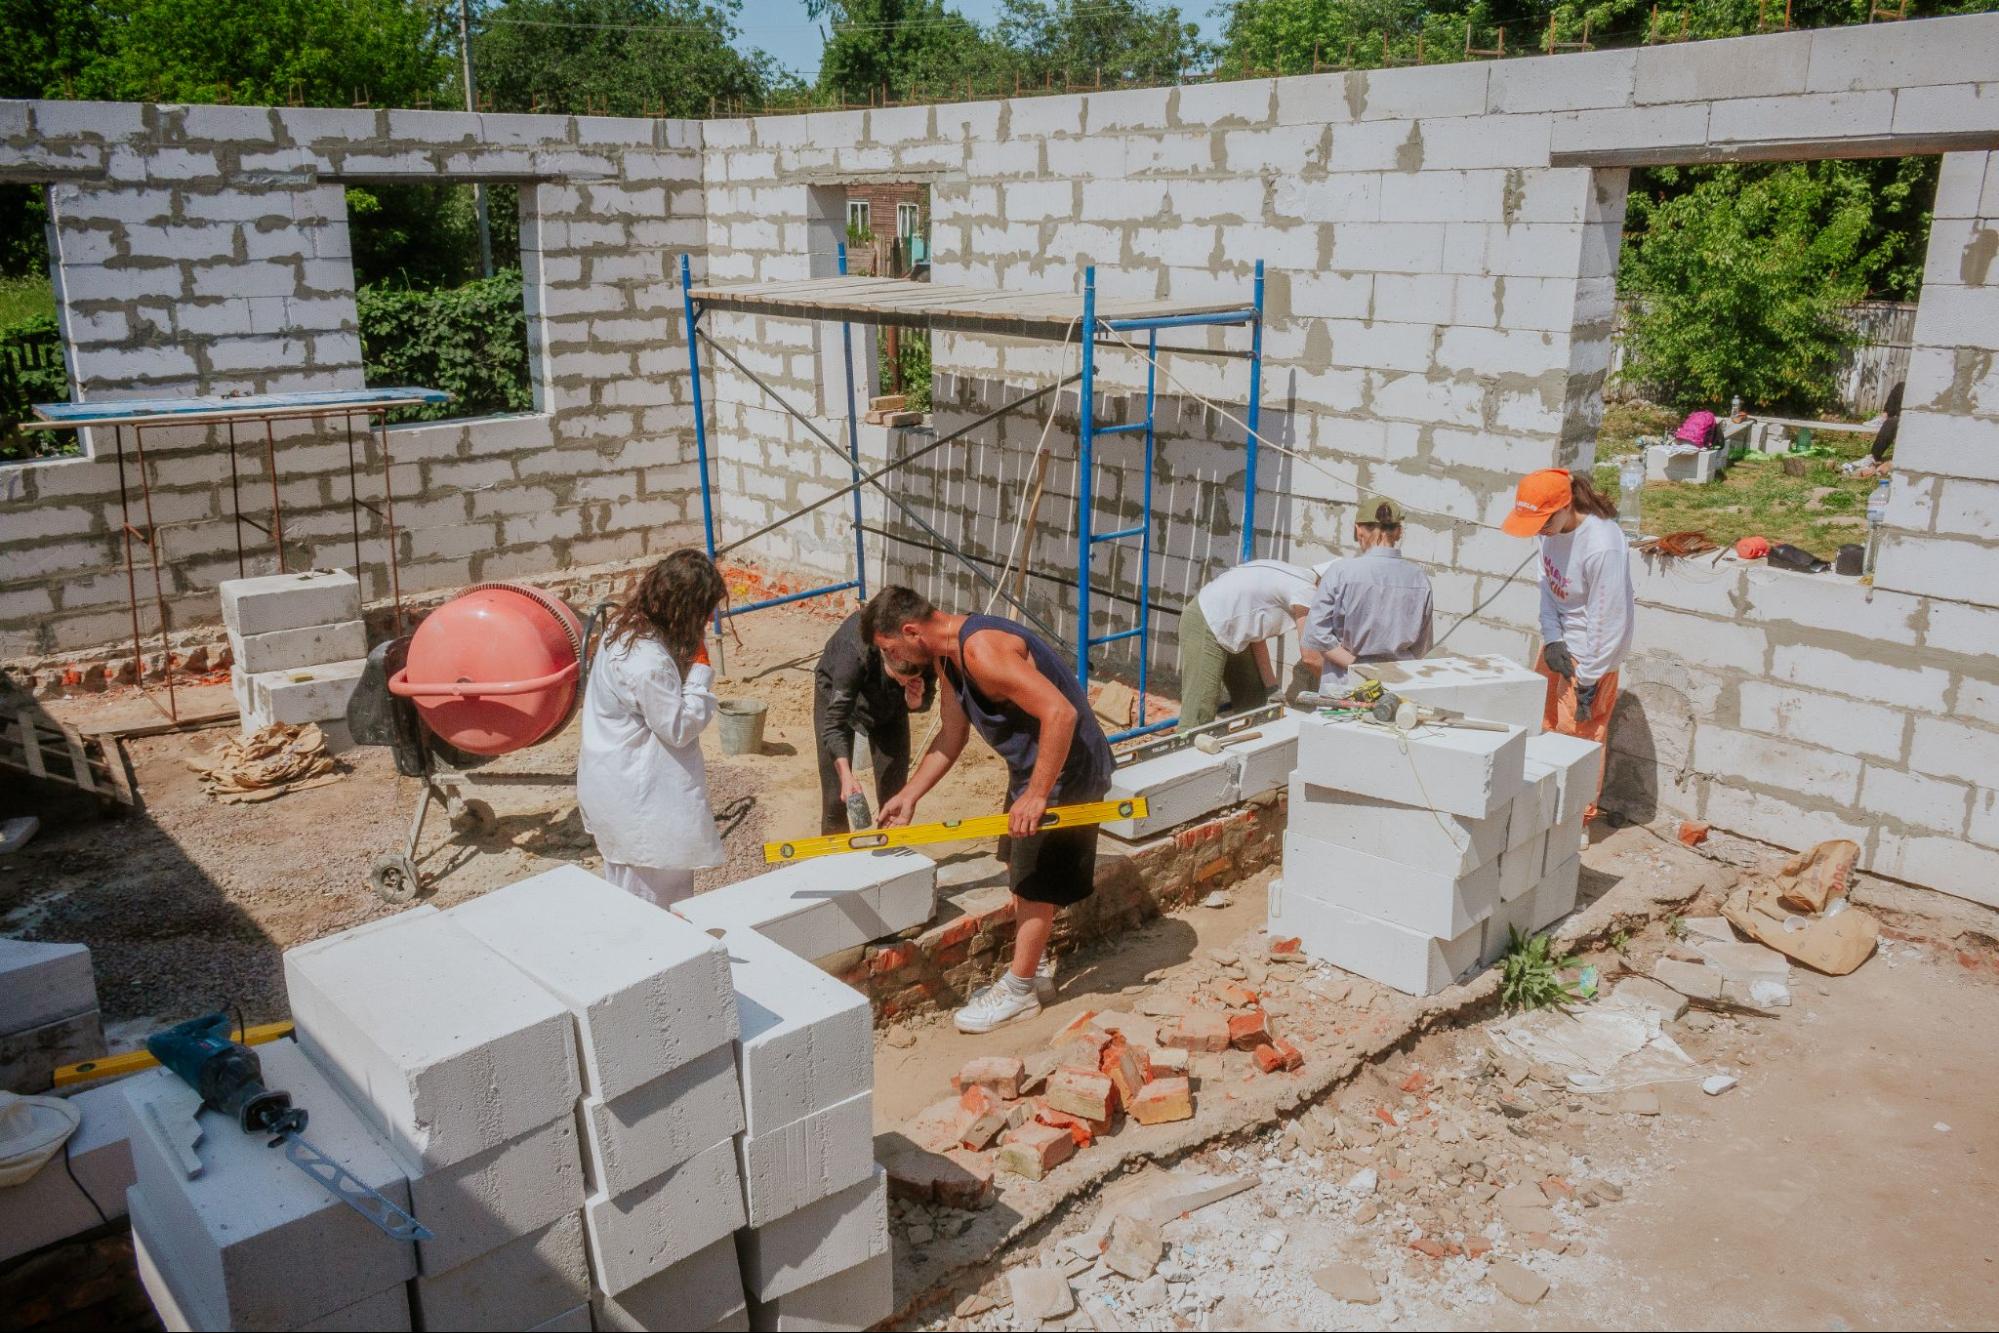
{"x":1876,"y":364}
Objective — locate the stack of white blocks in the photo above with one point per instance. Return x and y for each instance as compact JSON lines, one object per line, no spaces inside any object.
{"x":1189,"y":784}
{"x":1405,"y":858}
{"x":299,"y":645}
{"x":827,"y":905}
{"x":609,"y":1118}
{"x":48,"y":1012}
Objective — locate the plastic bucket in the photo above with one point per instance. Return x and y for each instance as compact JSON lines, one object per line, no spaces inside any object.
{"x":742,"y":722}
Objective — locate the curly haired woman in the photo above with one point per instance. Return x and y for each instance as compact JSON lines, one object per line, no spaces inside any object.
{"x":640,"y":779}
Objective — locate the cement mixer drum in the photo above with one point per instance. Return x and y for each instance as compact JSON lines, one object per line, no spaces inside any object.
{"x":496,"y":669}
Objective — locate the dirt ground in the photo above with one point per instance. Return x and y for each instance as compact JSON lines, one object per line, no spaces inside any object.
{"x":187,"y":905}
{"x":1846,"y":1181}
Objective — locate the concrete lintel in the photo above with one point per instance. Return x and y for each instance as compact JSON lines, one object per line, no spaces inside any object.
{"x":1780,"y":150}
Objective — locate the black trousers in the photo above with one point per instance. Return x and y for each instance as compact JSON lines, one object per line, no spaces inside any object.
{"x":889,"y":742}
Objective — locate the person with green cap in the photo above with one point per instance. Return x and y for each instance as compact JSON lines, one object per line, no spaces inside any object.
{"x":1373,"y":606}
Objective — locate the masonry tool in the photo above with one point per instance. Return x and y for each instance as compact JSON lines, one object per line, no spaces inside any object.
{"x":1393,"y":710}
{"x":230,"y":1078}
{"x":1185,"y":740}
{"x":949,"y":830}
{"x":858,"y":814}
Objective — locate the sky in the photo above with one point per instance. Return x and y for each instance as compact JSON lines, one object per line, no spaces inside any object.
{"x":781,"y":28}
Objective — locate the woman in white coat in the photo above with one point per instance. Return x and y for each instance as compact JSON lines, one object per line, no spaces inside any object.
{"x":640,"y":779}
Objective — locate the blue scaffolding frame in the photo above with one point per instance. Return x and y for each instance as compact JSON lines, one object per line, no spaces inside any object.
{"x":892,"y":301}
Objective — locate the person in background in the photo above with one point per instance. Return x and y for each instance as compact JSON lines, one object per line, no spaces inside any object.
{"x":1025,"y":700}
{"x":1587,"y":599}
{"x":1891,"y":426}
{"x":640,"y":780}
{"x":1225,"y":635}
{"x":1374,"y":606}
{"x":853,"y":691}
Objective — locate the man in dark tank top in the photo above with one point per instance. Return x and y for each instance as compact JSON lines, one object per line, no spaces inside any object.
{"x":1015,"y":689}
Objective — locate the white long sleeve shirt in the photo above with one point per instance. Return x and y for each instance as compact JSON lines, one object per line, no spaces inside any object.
{"x":640,"y":779}
{"x":1255,"y":601}
{"x":1586,"y":596}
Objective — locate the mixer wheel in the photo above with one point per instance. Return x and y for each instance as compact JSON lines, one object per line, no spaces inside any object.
{"x":395,"y":879}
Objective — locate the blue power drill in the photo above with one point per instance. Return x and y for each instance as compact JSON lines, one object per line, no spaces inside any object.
{"x":230,"y":1078}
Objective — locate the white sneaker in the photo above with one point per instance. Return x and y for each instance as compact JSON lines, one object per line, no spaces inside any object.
{"x":995,"y":1006}
{"x":1044,"y":977}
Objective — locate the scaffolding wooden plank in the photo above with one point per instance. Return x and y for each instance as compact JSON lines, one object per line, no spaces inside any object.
{"x":866,"y":300}
{"x":31,"y":744}
{"x":79,"y":762}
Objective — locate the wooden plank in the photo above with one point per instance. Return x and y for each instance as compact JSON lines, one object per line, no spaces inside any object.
{"x":114,"y":769}
{"x":31,"y":744}
{"x":188,"y":722}
{"x":79,"y":762}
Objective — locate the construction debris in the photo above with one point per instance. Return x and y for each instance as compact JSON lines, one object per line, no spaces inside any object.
{"x":278,"y":759}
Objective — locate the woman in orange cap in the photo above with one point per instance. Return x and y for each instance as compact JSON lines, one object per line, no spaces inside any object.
{"x":1586,"y":599}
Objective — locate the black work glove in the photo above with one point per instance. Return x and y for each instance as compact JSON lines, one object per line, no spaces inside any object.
{"x":1585,"y":697}
{"x":1559,"y":659}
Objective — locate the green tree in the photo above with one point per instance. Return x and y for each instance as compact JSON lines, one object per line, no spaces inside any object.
{"x":1119,"y":41}
{"x":46,"y":44}
{"x":266,"y":52}
{"x":1738,"y":284}
{"x":900,"y":46}
{"x":624,"y":57}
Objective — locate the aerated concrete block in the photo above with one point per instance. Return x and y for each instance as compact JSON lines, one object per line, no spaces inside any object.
{"x":289,"y":601}
{"x":658,"y":1125}
{"x":1514,"y":915}
{"x":1520,"y":867}
{"x":647,"y":991}
{"x":569,"y":1321}
{"x":1564,"y":841}
{"x":437,"y":1037}
{"x":819,"y":908}
{"x":490,"y":1198}
{"x":1421,"y":900}
{"x":1407,"y":960}
{"x":532,"y":1278}
{"x":308,"y":645}
{"x":303,"y":694}
{"x":252,"y":1241}
{"x":859,"y":1298}
{"x":807,"y":1042}
{"x":1555,"y":895}
{"x":1178,"y":787}
{"x":839,"y":1232}
{"x":807,"y":1160}
{"x":1492,"y":688}
{"x":49,"y":1206}
{"x":1451,"y":769}
{"x":1663,"y":463}
{"x":647,"y":1230}
{"x":29,"y":1058}
{"x":1414,"y":835}
{"x":1533,"y":810}
{"x":1578,"y":766}
{"x":40,"y":983}
{"x":385,"y":1311}
{"x":1264,"y":762}
{"x":703,"y":1290}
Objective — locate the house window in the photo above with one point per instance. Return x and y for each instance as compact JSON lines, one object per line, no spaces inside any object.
{"x":860,"y":217}
{"x":908,"y":219}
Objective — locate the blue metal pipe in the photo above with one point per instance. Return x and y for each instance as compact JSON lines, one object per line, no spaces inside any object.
{"x":1143,"y":729}
{"x":1244,"y":316}
{"x":854,"y":445}
{"x":1126,"y":429}
{"x":1145,"y":542}
{"x":1255,"y":417}
{"x":700,"y":413}
{"x":1085,"y":466}
{"x":793,"y":597}
{"x":1131,"y":633}
{"x":1119,"y":534}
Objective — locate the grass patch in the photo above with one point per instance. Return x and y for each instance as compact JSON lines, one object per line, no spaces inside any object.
{"x":24,"y":297}
{"x":1819,"y":510}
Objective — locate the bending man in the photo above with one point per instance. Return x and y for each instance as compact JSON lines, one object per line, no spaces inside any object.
{"x":1225,"y":633}
{"x":854,"y":691}
{"x":1009,"y":683}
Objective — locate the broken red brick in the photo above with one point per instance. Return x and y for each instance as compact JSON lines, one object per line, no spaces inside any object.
{"x":1035,"y":1149}
{"x":1276,"y":1055}
{"x":1416,"y":1082}
{"x":1081,"y":1130}
{"x":1693,"y":832}
{"x":1199,"y":1032}
{"x":1554,"y":1187}
{"x":1125,"y":1066}
{"x":999,"y":1073}
{"x":1237,"y":996}
{"x":1163,"y":1100}
{"x":1081,"y":1092}
{"x":1425,"y":1245}
{"x":1287,"y":948}
{"x":1079,"y":1025}
{"x":985,"y":1116}
{"x":1249,"y":1031}
{"x":1477,"y":1247}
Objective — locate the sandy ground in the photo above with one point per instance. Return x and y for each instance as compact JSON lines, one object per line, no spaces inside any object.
{"x":1847,"y":1181}
{"x":188,"y":905}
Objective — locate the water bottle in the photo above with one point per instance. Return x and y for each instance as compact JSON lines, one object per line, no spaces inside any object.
{"x":1877,"y":520}
{"x":1630,"y":488}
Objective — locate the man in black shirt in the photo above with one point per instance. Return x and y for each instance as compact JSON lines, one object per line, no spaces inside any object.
{"x":853,"y":691}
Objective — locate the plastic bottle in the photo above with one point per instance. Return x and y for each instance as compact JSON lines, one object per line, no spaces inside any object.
{"x":1877,"y":519}
{"x":1630,"y":488}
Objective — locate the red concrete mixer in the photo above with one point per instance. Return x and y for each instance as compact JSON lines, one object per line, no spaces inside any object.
{"x":495,"y":670}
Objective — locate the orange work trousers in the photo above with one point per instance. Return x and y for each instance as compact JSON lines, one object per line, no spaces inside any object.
{"x":1559,"y":714}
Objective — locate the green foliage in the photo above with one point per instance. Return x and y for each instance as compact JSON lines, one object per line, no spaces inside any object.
{"x":624,"y":57}
{"x":470,"y":341}
{"x":1740,"y":282}
{"x":1115,"y":41}
{"x":913,"y":358}
{"x":1530,"y":973}
{"x":32,"y":371}
{"x":24,"y":297}
{"x":896,"y":45}
{"x":426,"y":233}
